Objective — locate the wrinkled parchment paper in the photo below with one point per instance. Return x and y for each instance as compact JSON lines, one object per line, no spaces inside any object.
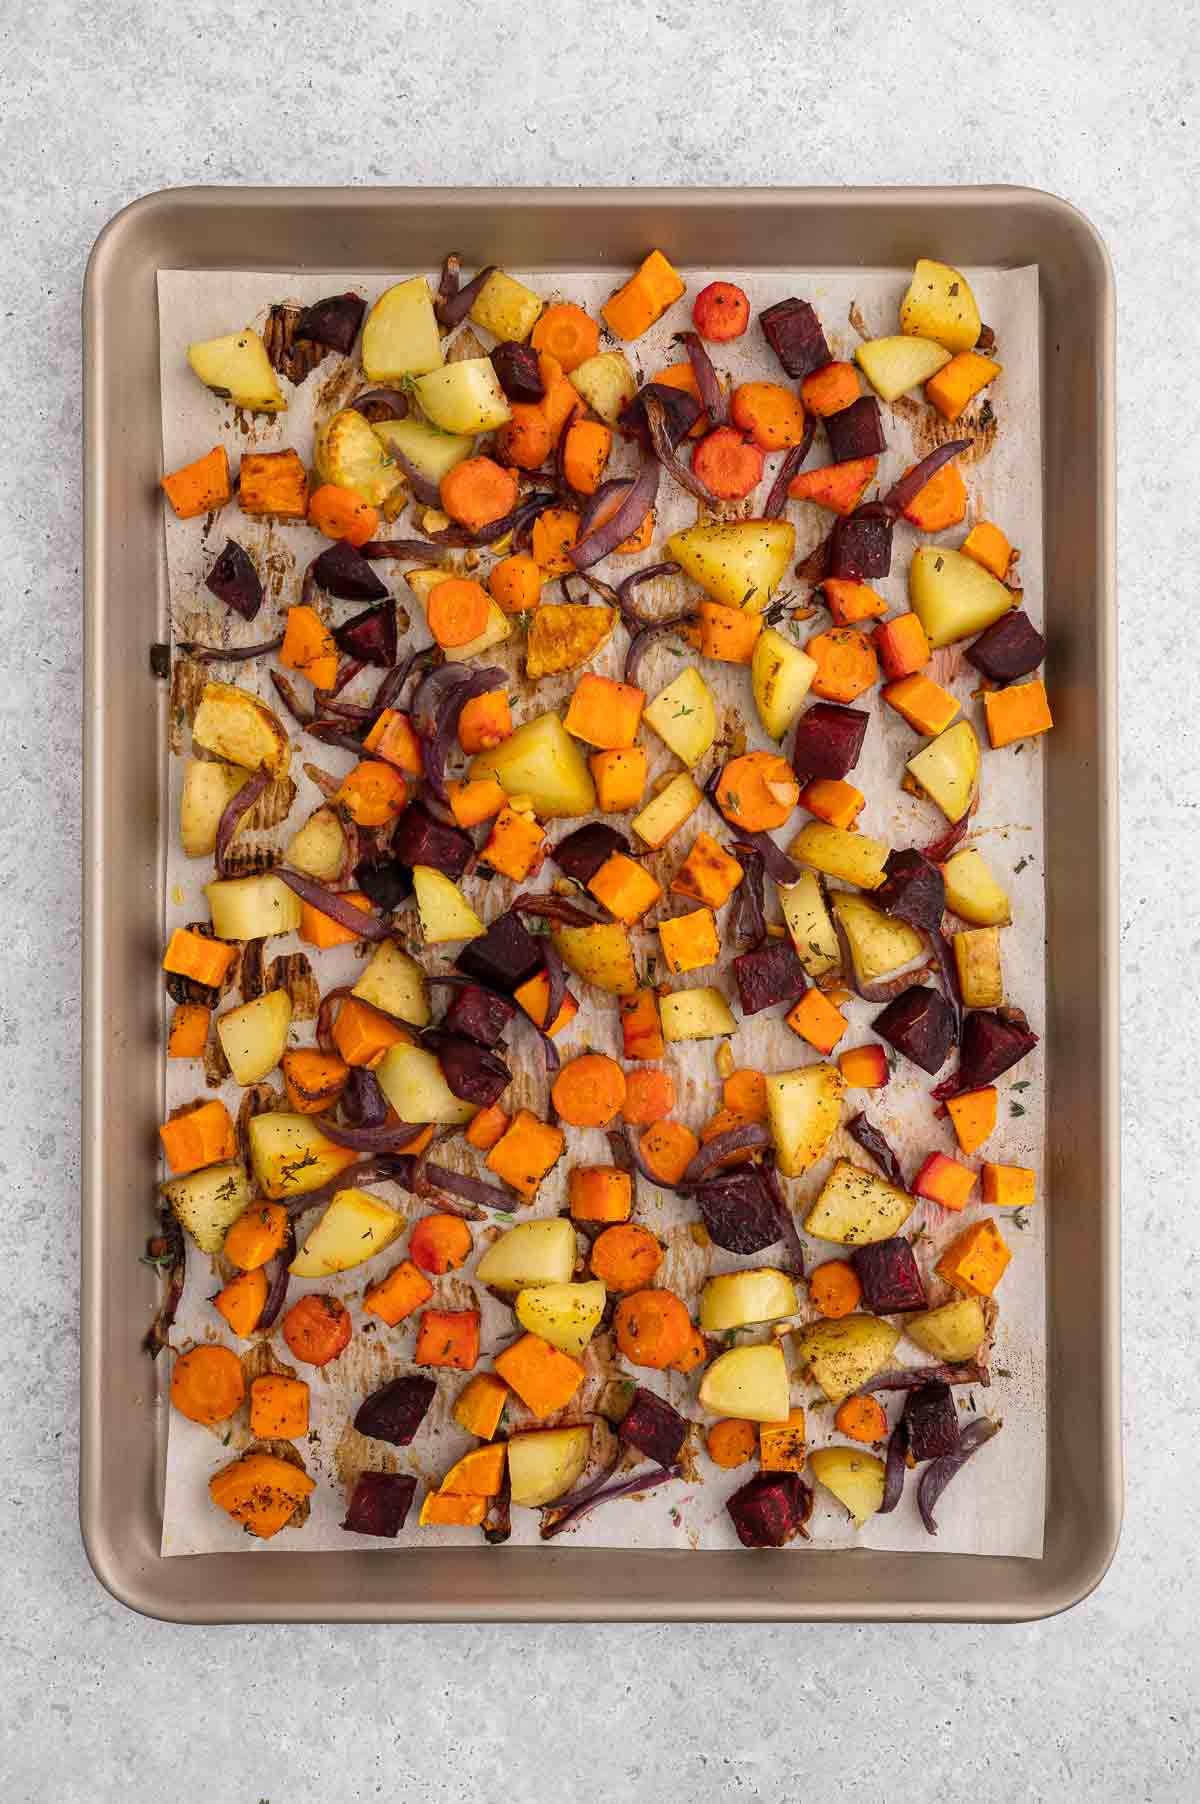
{"x":997,"y":1505}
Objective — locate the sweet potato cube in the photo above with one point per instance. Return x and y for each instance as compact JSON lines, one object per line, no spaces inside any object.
{"x":924,"y":704}
{"x":534,"y":996}
{"x":544,"y":1378}
{"x":480,"y":1405}
{"x":941,"y":503}
{"x":816,"y":1020}
{"x":1018,"y":712}
{"x":514,"y":846}
{"x":485,"y":722}
{"x":833,"y":800}
{"x":620,"y":778}
{"x":1009,"y":1186}
{"x":708,"y":873}
{"x":625,"y":888}
{"x":479,"y":1473}
{"x":399,"y":1294}
{"x":448,"y":1337}
{"x":321,"y":930}
{"x":392,"y":738}
{"x":491,"y":1124}
{"x":278,"y":1408}
{"x":973,"y":1115}
{"x":313,"y":1079}
{"x":975,"y":1262}
{"x":523,"y":1156}
{"x":243,"y":1300}
{"x":690,"y":941}
{"x":273,"y":484}
{"x":600,"y":1193}
{"x":959,"y":381}
{"x":475,"y":799}
{"x":989,"y":547}
{"x":188,"y":1035}
{"x":641,"y":1026}
{"x":446,"y":1509}
{"x":646,"y":296}
{"x":194,"y":955}
{"x":849,"y":601}
{"x":363,"y":1034}
{"x":864,"y":1067}
{"x":781,"y":1445}
{"x":724,"y":633}
{"x":902,"y":646}
{"x":201,"y":1136}
{"x":943,"y":1180}
{"x":261,"y":1492}
{"x":605,"y":714}
{"x":199,"y":487}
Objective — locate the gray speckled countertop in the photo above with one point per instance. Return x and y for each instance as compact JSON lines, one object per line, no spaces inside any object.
{"x":100,"y":103}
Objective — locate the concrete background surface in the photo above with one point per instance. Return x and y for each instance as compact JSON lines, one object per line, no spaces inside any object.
{"x":102,"y":102}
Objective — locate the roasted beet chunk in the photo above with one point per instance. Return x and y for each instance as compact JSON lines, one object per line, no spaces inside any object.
{"x":913,"y":890}
{"x":739,"y":1210}
{"x":932,"y":1422}
{"x":581,"y":853}
{"x":771,"y":974}
{"x":479,"y":1014}
{"x":794,"y":333}
{"x":1011,"y":647}
{"x":920,"y":1024}
{"x":395,"y":1411}
{"x":333,"y":321}
{"x":680,"y":412}
{"x":234,"y":580}
{"x":992,"y":1042}
{"x":504,"y":957}
{"x":771,"y":1509}
{"x":890,"y":1278}
{"x":384,"y":881}
{"x":472,"y":1072}
{"x":862,"y":545}
{"x":653,"y":1427}
{"x":379,"y":1503}
{"x":370,"y":636}
{"x":828,"y":740}
{"x":517,"y":371}
{"x":418,"y":839}
{"x":344,"y":571}
{"x":857,"y":431}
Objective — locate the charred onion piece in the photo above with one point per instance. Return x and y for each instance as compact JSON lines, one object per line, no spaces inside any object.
{"x":238,"y":805}
{"x":555,"y":1519}
{"x":751,"y":1135}
{"x":712,"y":395}
{"x":228,"y":654}
{"x":911,"y":1378}
{"x":939,"y":1472}
{"x":894,"y":1468}
{"x":335,"y":906}
{"x":602,"y":540}
{"x":792,"y":464}
{"x":394,"y":400}
{"x":913,"y":481}
{"x":625,"y":588}
{"x":874,"y":1141}
{"x":453,"y":307}
{"x":664,"y":450}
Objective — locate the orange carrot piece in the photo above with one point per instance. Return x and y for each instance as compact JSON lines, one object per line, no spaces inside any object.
{"x":440,"y":1244}
{"x":341,"y":514}
{"x":653,"y":1327}
{"x":728,"y":465}
{"x":589,"y":1091}
{"x":838,"y":487}
{"x":846,"y":664}
{"x":457,"y":611}
{"x":515,"y":584}
{"x":850,"y":601}
{"x":566,"y":333}
{"x":317,"y":1328}
{"x":731,"y":1442}
{"x":373,"y":794}
{"x":721,"y":312}
{"x":525,"y":440}
{"x":771,"y":414}
{"x":861,"y":1419}
{"x":667,"y":1150}
{"x":554,"y":532}
{"x":490,"y":1125}
{"x":200,"y":487}
{"x":758,"y":791}
{"x":600,"y":1193}
{"x":746,"y":1091}
{"x":626,"y":1257}
{"x":694,"y":1354}
{"x":834,"y":1289}
{"x":585,"y":455}
{"x":649,"y":1096}
{"x":207,"y":1384}
{"x":477,"y":492}
{"x":485,"y":722}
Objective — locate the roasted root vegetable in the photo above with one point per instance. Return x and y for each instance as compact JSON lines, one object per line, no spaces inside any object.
{"x":947,"y":769}
{"x":448,"y":1337}
{"x":738,"y":562}
{"x":601,"y":955}
{"x":207,"y":1385}
{"x":600,"y":1193}
{"x":653,"y":1427}
{"x":317,"y":1329}
{"x":803,"y":1109}
{"x":750,"y":1383}
{"x":526,"y":1153}
{"x":542,"y":761}
{"x":197,"y":1137}
{"x":403,"y":1291}
{"x":625,"y":1258}
{"x":200,"y":487}
{"x":835,"y":852}
{"x":953,"y":596}
{"x":771,"y":1509}
{"x":667,"y":811}
{"x":977,"y":962}
{"x":273,"y":485}
{"x":781,"y":675}
{"x":278,"y":1408}
{"x":1019,"y":712}
{"x":894,"y":365}
{"x":463,"y":397}
{"x":1011,"y":647}
{"x":976,"y":1261}
{"x":625,"y":887}
{"x":1008,"y":1186}
{"x":261,"y":1491}
{"x":954,"y":1332}
{"x":565,"y":1315}
{"x":396,"y":1410}
{"x":684,"y":716}
{"x":642,"y":300}
{"x":544,"y":1465}
{"x":940,"y":306}
{"x":543,"y":1377}
{"x":379,"y":1503}
{"x":842,"y":1355}
{"x":700,"y":1014}
{"x":237,"y":369}
{"x":782,"y":1446}
{"x":855,"y":1479}
{"x":690,"y":942}
{"x":739,"y":1299}
{"x":855,"y":1207}
{"x":890,"y":1277}
{"x":236,"y":726}
{"x":770,"y":974}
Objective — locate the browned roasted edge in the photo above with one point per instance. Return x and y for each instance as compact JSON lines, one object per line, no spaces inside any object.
{"x":784,"y":228}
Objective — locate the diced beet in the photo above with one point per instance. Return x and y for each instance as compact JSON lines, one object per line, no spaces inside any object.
{"x":517,"y":371}
{"x":857,"y":431}
{"x":581,"y":853}
{"x":770,"y":1509}
{"x":504,"y":958}
{"x":333,"y":321}
{"x":1011,"y":647}
{"x":890,"y":1277}
{"x":384,"y":881}
{"x":828,"y":740}
{"x":479,"y":1014}
{"x":234,"y":580}
{"x":370,"y":637}
{"x":396,"y":1410}
{"x":862,"y":545}
{"x":472,"y":1072}
{"x":771,"y":974}
{"x":379,"y":1503}
{"x":419,"y":839}
{"x":913,"y":890}
{"x":342,"y":570}
{"x":920,"y":1024}
{"x":931,"y":1419}
{"x":991,"y":1044}
{"x":680,"y":411}
{"x":653,"y":1427}
{"x":739,"y":1211}
{"x":795,"y":334}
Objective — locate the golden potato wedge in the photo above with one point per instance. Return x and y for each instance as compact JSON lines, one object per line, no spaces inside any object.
{"x":238,"y":727}
{"x":842,"y":1355}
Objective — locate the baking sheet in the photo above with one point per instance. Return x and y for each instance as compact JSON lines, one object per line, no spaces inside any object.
{"x":985,"y":1512}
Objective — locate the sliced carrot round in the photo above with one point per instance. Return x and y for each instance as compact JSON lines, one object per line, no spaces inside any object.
{"x":207,"y":1384}
{"x":727,"y":464}
{"x":458,"y":611}
{"x":758,"y":791}
{"x":568,"y":334}
{"x":589,"y":1091}
{"x":721,"y":311}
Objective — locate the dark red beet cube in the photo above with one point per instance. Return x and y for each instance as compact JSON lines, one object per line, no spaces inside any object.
{"x":739,"y":1210}
{"x":518,"y":371}
{"x":889,"y":1275}
{"x":234,"y":580}
{"x":913,"y":890}
{"x":770,"y":1509}
{"x":862,"y":546}
{"x":418,"y":838}
{"x":370,"y":637}
{"x":581,"y":853}
{"x":479,"y":1014}
{"x":920,"y":1024}
{"x":796,"y":336}
{"x":384,"y":881}
{"x":472,"y":1072}
{"x":771,"y":974}
{"x":396,"y":1410}
{"x":857,"y":431}
{"x":333,"y":321}
{"x":653,"y":1427}
{"x":828,"y":740}
{"x":343,"y":571}
{"x":932,"y":1422}
{"x":379,"y":1503}
{"x":504,"y":958}
{"x":680,"y":412}
{"x":992,"y":1043}
{"x":1011,"y":647}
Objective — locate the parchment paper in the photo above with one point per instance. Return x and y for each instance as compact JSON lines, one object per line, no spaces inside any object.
{"x":997,"y":1505}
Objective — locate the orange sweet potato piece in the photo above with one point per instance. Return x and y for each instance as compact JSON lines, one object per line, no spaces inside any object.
{"x":544,"y":1377}
{"x":207,"y":1385}
{"x":600,"y":1193}
{"x":523,"y":1156}
{"x":604,"y":713}
{"x":278,"y":1408}
{"x":399,"y":1294}
{"x":363,"y":1034}
{"x":708,"y":873}
{"x":189,"y":1031}
{"x":641,"y":1027}
{"x":846,"y":664}
{"x":194,"y":955}
{"x":620,"y":778}
{"x":448,"y":1337}
{"x":201,"y":1136}
{"x":199,"y":487}
{"x":849,"y":601}
{"x":243,"y":1300}
{"x":308,"y":646}
{"x":515,"y":846}
{"x":838,"y":487}
{"x":273,"y":484}
{"x":975,"y":1262}
{"x":485,"y":722}
{"x":1019,"y":712}
{"x":902,"y":646}
{"x":989,"y":547}
{"x":313,"y":1079}
{"x":261,"y":1492}
{"x":480,"y":1405}
{"x":393,"y":739}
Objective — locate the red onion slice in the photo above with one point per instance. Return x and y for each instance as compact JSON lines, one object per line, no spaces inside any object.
{"x":625,"y":588}
{"x":325,"y":781}
{"x":601,"y":540}
{"x":278,"y":1287}
{"x":364,"y":926}
{"x":752,"y":1134}
{"x":472,"y":1190}
{"x":333,"y":732}
{"x":660,"y":438}
{"x":713,"y":397}
{"x":228,"y":654}
{"x":383,"y":1138}
{"x":791,"y":466}
{"x":816,"y":566}
{"x":629,"y":1487}
{"x":231,"y":817}
{"x":940,"y":849}
{"x":911,"y":484}
{"x":553,"y":908}
{"x":939,"y":1472}
{"x":393,"y":398}
{"x":302,"y":716}
{"x":453,"y":307}
{"x":645,"y":637}
{"x":426,"y":492}
{"x":894,"y":1468}
{"x":438,"y":744}
{"x":465,"y":538}
{"x":556,"y":986}
{"x":874,"y":1141}
{"x":407,"y":551}
{"x":345,"y":676}
{"x":911,"y":1378}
